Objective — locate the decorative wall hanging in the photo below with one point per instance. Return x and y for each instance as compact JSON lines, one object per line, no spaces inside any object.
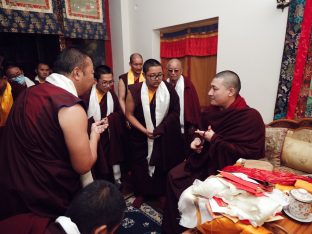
{"x":84,"y":10}
{"x":43,"y":6}
{"x":84,"y":19}
{"x":294,"y":95}
{"x":37,"y":16}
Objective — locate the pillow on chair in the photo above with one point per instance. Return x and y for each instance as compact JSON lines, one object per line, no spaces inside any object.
{"x":297,"y":150}
{"x":274,"y":140}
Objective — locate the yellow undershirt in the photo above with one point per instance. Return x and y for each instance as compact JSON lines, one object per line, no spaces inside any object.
{"x":151,"y":94}
{"x":99,"y":95}
{"x":131,"y":79}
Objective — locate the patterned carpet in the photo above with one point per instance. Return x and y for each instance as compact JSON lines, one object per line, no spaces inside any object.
{"x":145,"y":220}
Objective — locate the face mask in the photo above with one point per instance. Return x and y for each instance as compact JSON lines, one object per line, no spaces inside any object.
{"x":19,"y":79}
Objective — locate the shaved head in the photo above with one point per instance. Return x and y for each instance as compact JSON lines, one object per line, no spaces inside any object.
{"x":135,"y":55}
{"x":230,"y":80}
{"x":174,"y":70}
{"x":174,"y":61}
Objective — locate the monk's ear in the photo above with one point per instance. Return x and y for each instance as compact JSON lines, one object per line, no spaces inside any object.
{"x":76,"y":73}
{"x":101,"y":230}
{"x":231,"y":91}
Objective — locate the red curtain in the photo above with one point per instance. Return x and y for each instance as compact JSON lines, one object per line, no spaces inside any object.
{"x":193,"y":41}
{"x":301,"y":64}
{"x":196,"y":48}
{"x":108,"y":45}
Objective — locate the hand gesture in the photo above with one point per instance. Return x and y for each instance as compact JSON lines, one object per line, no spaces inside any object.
{"x":149,"y":134}
{"x":197,"y":145}
{"x":207,"y":135}
{"x":98,"y":127}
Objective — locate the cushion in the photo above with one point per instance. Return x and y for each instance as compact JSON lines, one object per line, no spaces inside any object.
{"x":288,"y":170}
{"x":297,"y":154}
{"x":259,"y":164}
{"x":274,"y":140}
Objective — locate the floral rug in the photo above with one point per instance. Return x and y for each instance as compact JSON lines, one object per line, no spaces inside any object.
{"x":145,"y":220}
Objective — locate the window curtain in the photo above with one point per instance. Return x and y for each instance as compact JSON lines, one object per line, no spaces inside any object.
{"x":196,"y":48}
{"x":108,"y":44}
{"x":294,"y":95}
{"x":195,"y":41}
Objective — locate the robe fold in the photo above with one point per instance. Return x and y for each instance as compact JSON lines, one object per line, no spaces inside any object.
{"x":124,"y":78}
{"x":16,"y":88}
{"x":192,"y":112}
{"x":168,"y":149}
{"x":36,"y":174}
{"x":27,"y":223}
{"x":239,"y":133}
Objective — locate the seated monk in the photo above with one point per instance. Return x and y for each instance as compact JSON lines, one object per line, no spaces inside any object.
{"x":233,"y":130}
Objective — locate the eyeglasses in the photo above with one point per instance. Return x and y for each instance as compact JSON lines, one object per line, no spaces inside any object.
{"x":155,"y":76}
{"x":106,"y":83}
{"x":173,"y":70}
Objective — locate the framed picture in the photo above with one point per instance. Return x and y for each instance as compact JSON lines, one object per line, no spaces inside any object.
{"x":91,"y":10}
{"x":43,"y":6}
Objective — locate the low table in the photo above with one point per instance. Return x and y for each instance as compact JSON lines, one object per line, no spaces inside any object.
{"x":292,"y":226}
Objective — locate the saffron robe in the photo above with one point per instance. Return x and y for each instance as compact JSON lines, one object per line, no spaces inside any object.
{"x":168,"y":149}
{"x":239,"y":133}
{"x":36,"y":174}
{"x":111,"y":146}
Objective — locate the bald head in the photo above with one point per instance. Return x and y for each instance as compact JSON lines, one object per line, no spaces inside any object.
{"x":136,"y":63}
{"x":174,"y":70}
{"x":174,"y":61}
{"x":230,"y":80}
{"x":135,"y":56}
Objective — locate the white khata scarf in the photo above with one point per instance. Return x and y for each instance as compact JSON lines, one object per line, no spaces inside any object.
{"x":65,"y":83}
{"x":69,"y":226}
{"x":95,"y":111}
{"x":62,"y":82}
{"x":29,"y":82}
{"x":180,"y":90}
{"x":162,"y":107}
{"x":94,"y":105}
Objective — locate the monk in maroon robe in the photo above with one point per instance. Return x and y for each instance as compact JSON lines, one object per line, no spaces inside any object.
{"x":17,"y":80}
{"x":232,"y":130}
{"x":189,"y":102}
{"x":103,"y":103}
{"x":132,"y":77}
{"x":45,"y":145}
{"x":152,"y":107}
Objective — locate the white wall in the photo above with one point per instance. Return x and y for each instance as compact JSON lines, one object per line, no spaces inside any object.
{"x":251,"y":38}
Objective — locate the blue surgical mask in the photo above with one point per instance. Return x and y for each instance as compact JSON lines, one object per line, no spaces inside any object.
{"x":19,"y":79}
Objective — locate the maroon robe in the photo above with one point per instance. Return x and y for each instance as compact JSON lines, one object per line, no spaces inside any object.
{"x":167,"y":149}
{"x":239,"y":133}
{"x":191,"y":112}
{"x":124,"y":78}
{"x":16,"y":88}
{"x":36,"y":174}
{"x":112,"y":142}
{"x":27,"y":223}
